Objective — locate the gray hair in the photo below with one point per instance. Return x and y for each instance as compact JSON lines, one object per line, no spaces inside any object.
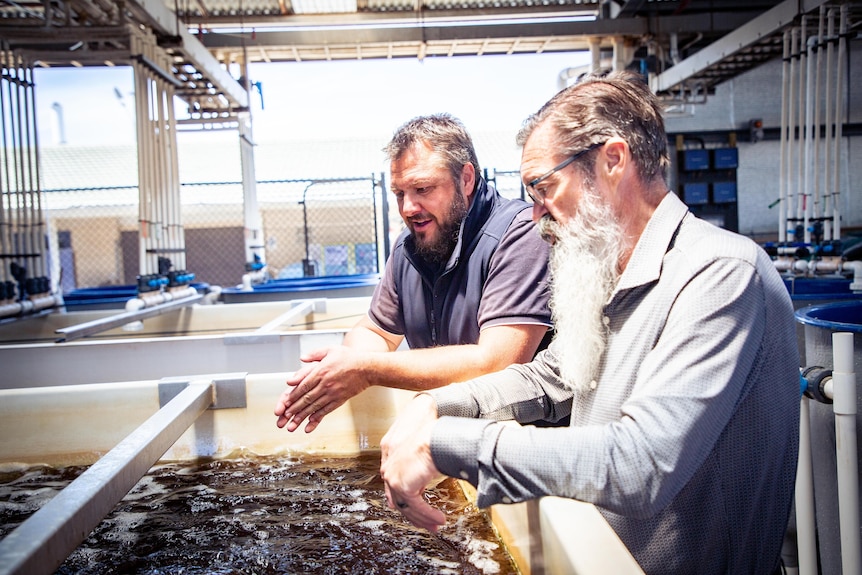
{"x":600,"y":107}
{"x":447,"y":137}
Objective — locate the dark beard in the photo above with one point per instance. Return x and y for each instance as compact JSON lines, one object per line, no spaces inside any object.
{"x":437,"y":252}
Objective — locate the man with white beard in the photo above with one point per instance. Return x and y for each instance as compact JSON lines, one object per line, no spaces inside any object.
{"x":675,"y":356}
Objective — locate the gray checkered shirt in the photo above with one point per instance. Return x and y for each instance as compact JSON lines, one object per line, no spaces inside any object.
{"x":688,"y":442}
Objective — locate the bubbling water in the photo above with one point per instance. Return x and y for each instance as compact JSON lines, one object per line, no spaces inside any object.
{"x":264,"y":515}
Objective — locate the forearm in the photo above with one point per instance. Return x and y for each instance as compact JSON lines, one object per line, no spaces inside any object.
{"x":423,"y":369}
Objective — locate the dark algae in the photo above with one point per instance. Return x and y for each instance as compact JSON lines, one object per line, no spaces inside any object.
{"x":264,"y":515}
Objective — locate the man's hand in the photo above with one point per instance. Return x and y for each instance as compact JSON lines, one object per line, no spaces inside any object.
{"x":406,"y":465}
{"x":333,"y":376}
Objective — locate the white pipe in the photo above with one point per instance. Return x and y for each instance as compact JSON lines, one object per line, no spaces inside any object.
{"x":792,"y":183}
{"x":839,"y":116}
{"x":152,"y":299}
{"x":30,"y":305}
{"x":827,"y":143}
{"x":212,"y":296}
{"x":844,"y":406}
{"x":815,"y":44}
{"x":782,"y":177}
{"x":800,"y":123}
{"x":856,"y":267}
{"x":621,"y":58}
{"x":783,"y":264}
{"x":252,"y":277}
{"x":806,"y":541}
{"x":595,"y":53}
{"x":809,"y":168}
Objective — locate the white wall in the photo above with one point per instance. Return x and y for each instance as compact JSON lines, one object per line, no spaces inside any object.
{"x":757,"y":94}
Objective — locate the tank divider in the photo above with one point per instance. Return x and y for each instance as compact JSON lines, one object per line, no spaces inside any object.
{"x":42,"y":542}
{"x":266,"y":333}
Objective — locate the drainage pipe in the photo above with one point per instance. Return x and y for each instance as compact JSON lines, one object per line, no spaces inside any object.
{"x":42,"y":542}
{"x":844,"y":406}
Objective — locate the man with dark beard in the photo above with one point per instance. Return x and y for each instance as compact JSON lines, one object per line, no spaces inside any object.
{"x":466,"y":284}
{"x":675,"y":355}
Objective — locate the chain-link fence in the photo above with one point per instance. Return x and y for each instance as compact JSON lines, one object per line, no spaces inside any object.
{"x":332,"y":227}
{"x":311,"y":227}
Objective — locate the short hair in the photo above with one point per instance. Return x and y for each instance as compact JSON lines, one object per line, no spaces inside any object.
{"x":602,"y":106}
{"x":447,"y":137}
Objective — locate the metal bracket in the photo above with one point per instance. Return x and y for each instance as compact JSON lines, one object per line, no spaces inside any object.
{"x":229,"y":390}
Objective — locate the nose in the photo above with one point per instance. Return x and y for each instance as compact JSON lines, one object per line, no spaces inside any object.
{"x":409,"y":207}
{"x":538,"y":211}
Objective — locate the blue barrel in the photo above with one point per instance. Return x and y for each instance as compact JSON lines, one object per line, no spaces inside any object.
{"x":820,"y":322}
{"x":304,"y":288}
{"x":807,"y":291}
{"x":108,"y":297}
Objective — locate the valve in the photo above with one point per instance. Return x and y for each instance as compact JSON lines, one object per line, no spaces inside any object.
{"x":816,"y":378}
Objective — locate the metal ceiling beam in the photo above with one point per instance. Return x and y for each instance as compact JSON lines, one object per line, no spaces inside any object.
{"x":461,"y":14}
{"x":358,"y":30}
{"x":767,"y":24}
{"x":194,"y":53}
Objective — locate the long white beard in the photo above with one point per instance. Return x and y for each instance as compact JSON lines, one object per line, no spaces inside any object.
{"x":585,"y":268}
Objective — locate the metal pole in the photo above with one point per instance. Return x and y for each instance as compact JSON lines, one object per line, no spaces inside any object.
{"x":42,"y":543}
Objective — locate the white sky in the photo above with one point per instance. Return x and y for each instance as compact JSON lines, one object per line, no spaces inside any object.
{"x":320,"y":99}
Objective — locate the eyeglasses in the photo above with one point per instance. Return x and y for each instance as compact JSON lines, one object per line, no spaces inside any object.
{"x":539,"y":197}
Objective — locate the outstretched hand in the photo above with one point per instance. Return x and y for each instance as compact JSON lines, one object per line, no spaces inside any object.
{"x":406,"y":465}
{"x":332,"y":377}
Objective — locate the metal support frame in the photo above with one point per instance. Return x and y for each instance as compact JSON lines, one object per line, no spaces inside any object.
{"x":42,"y":542}
{"x":768,"y":23}
{"x":267,"y":334}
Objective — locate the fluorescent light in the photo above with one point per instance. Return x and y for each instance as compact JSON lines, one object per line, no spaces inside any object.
{"x":323,"y":6}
